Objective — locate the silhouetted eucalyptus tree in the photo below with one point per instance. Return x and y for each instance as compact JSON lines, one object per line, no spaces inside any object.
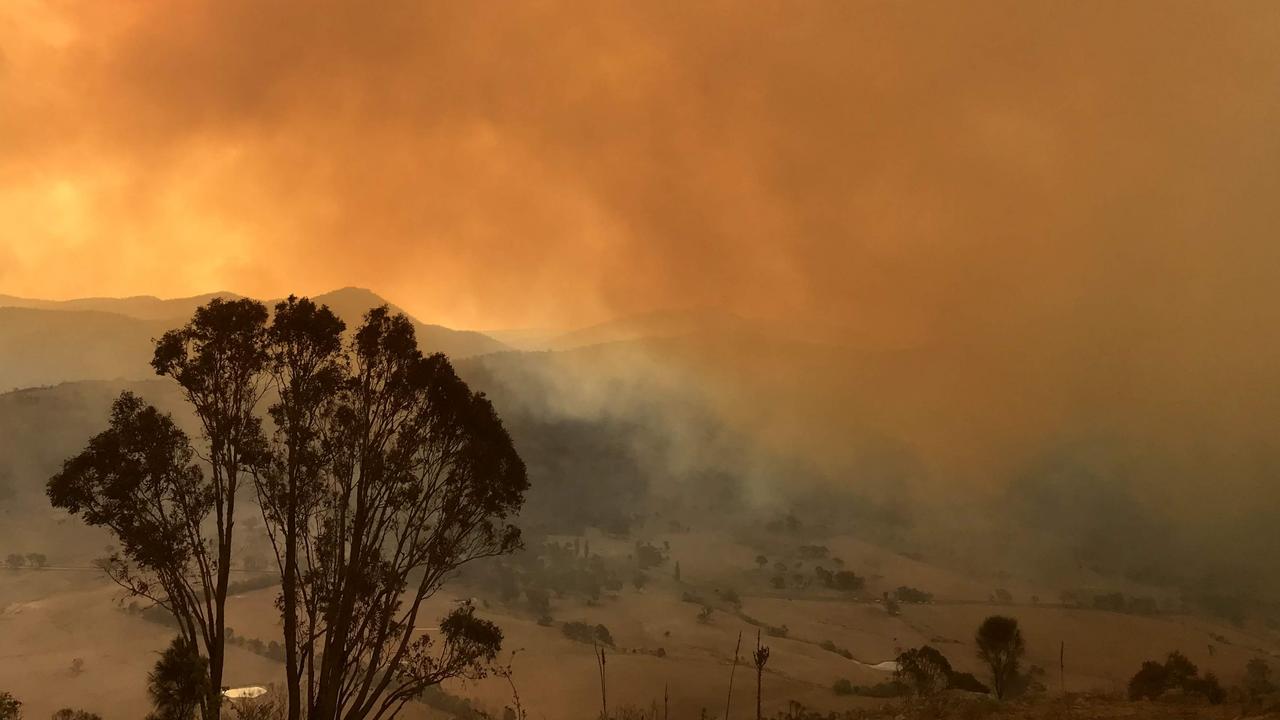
{"x":420,"y":477}
{"x":138,"y":478}
{"x":218,"y":359}
{"x":306,"y":366}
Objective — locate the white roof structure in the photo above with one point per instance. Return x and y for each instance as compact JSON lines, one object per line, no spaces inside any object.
{"x":252,"y":691}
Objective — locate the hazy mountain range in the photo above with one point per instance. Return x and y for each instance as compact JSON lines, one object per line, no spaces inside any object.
{"x":732,"y":411}
{"x":44,"y":342}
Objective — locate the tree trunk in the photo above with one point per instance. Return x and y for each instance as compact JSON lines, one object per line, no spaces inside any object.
{"x":293,"y":675}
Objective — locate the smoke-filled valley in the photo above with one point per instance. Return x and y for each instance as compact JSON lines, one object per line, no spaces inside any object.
{"x":690,"y":460}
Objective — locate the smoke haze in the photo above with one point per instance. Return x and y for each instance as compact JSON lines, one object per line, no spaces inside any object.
{"x":1020,"y":226}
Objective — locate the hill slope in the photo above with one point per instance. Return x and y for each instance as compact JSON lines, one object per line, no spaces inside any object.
{"x":44,"y":342}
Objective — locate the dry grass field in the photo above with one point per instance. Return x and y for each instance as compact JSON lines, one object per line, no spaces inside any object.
{"x":48,"y":618}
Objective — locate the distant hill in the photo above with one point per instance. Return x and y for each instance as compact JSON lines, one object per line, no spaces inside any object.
{"x":45,"y":347}
{"x":143,"y":307}
{"x":44,"y":342}
{"x":352,"y":303}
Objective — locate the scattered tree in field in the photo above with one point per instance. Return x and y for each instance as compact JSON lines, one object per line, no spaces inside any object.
{"x":762,"y":561}
{"x":847,"y":581}
{"x":1211,"y":688}
{"x":587,"y":633}
{"x":908,"y":594}
{"x":37,"y":561}
{"x":77,"y":666}
{"x":70,"y":714}
{"x":1153,"y":679}
{"x":1149,"y":682}
{"x":1001,"y":647}
{"x":10,"y":707}
{"x":832,"y":647}
{"x":925,"y":670}
{"x":179,"y":683}
{"x":1179,"y":671}
{"x":1257,"y":678}
{"x":15,"y":561}
{"x":648,"y":555}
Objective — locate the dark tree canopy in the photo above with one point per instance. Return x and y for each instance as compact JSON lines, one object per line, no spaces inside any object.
{"x":924,"y":669}
{"x":1001,"y":647}
{"x":420,"y":477}
{"x":73,"y":714}
{"x":139,"y":479}
{"x":179,"y":683}
{"x":10,"y":707}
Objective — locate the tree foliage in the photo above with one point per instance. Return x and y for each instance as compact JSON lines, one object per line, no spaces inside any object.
{"x":72,"y":714}
{"x":407,"y":475}
{"x":925,"y":670}
{"x":179,"y":683}
{"x":1153,"y":679}
{"x":1001,"y":647}
{"x":10,"y":707}
{"x":139,"y":479}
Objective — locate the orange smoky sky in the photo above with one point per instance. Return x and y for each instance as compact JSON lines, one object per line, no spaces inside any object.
{"x":1097,"y":168}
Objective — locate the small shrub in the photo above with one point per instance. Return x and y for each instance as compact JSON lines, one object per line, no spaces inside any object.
{"x":10,"y":707}
{"x":842,"y":687}
{"x":883,"y":690}
{"x":1148,"y":683}
{"x":832,"y":647}
{"x":1153,"y":679}
{"x":69,"y":714}
{"x":924,"y":670}
{"x":585,"y":633}
{"x":1257,"y":679}
{"x":847,"y":581}
{"x":648,"y":556}
{"x":908,"y":594}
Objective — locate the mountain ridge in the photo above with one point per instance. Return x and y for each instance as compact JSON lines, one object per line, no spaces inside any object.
{"x":44,"y":342}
